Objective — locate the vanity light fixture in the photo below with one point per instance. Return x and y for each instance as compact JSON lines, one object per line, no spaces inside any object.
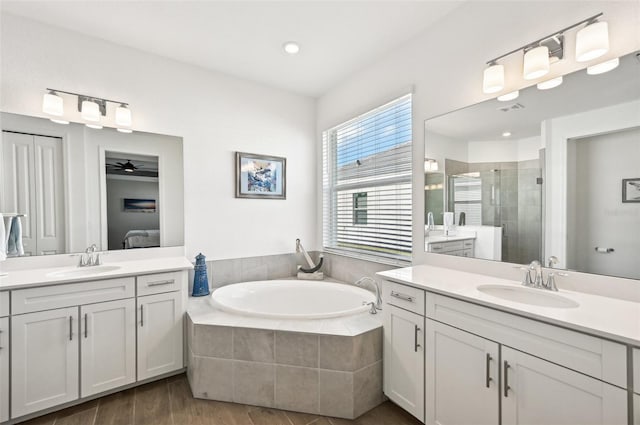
{"x":509,"y":96}
{"x":602,"y":67}
{"x":430,"y":164}
{"x":92,"y":109}
{"x":549,"y":84}
{"x":592,"y":41}
{"x":291,"y":47}
{"x":53,"y":105}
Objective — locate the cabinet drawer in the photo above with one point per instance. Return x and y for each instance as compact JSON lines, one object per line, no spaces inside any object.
{"x":159,"y":282}
{"x":403,"y":296}
{"x":4,"y":304}
{"x":468,"y":244}
{"x":601,"y":359}
{"x":72,"y":294}
{"x":467,"y":253}
{"x":447,"y":246}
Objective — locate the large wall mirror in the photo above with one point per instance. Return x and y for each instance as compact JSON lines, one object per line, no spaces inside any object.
{"x":550,"y":173}
{"x":67,"y":187}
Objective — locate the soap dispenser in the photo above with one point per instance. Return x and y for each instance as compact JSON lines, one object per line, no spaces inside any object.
{"x":200,"y":280}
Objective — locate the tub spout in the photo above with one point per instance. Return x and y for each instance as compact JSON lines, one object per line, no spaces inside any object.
{"x":376,"y":287}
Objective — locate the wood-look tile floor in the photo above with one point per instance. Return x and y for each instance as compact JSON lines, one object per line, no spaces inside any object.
{"x":169,"y":402}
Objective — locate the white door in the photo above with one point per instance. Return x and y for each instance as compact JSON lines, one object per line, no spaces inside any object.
{"x":404,"y":359}
{"x":159,"y":334}
{"x":32,"y":184}
{"x":18,"y":184}
{"x":462,"y":384}
{"x":49,"y":194}
{"x":44,"y":353}
{"x":536,"y":392}
{"x":108,"y":345}
{"x":4,"y":369}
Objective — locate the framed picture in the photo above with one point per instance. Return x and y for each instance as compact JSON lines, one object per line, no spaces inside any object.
{"x":260,"y":176}
{"x":631,"y":190}
{"x":140,"y":205}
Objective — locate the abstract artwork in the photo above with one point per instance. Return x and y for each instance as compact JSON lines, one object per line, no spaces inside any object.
{"x":631,"y":190}
{"x":260,"y":176}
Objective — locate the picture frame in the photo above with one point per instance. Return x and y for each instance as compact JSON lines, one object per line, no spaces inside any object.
{"x":260,"y":176}
{"x":139,"y":205}
{"x":631,"y":190}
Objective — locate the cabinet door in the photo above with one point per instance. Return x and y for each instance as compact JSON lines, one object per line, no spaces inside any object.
{"x":462,"y":369}
{"x":44,"y":352}
{"x":404,"y":359}
{"x":536,"y":392}
{"x":159,"y":334}
{"x":4,"y":369}
{"x":107,"y":345}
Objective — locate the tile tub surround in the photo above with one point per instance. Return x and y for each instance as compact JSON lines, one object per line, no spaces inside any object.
{"x":318,"y":373}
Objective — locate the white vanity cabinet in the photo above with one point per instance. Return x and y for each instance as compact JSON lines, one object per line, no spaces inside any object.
{"x":462,"y":384}
{"x":4,"y":369}
{"x":160,"y":333}
{"x":107,"y":345}
{"x":44,"y":367}
{"x":459,"y":248}
{"x":403,"y":347}
{"x":485,"y":366}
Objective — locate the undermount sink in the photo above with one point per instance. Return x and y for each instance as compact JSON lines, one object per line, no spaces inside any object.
{"x":529,"y":296}
{"x":83,"y":271}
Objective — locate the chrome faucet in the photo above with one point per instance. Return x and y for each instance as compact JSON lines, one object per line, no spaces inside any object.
{"x":90,"y":257}
{"x":538,"y":280}
{"x":376,"y":286}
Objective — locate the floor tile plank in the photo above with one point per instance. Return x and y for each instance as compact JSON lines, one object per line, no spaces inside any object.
{"x":152,"y":404}
{"x":116,"y":409}
{"x":187,"y":410}
{"x":266,"y":416}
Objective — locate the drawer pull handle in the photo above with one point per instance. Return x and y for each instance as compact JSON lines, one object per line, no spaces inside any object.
{"x":488,"y":378}
{"x":415,"y":339}
{"x":506,"y":379}
{"x":86,"y":332}
{"x":161,"y":282}
{"x":403,"y":297}
{"x":70,"y":328}
{"x":141,"y":315}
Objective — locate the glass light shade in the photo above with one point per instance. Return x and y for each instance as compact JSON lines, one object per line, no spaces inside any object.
{"x":52,"y":104}
{"x":603,"y":67}
{"x":536,"y":63}
{"x":549,"y":84}
{"x":123,"y":116}
{"x":90,"y":111}
{"x":509,"y":96}
{"x":592,"y":41}
{"x":291,"y":47}
{"x":57,"y":121}
{"x":94,"y":126}
{"x":124,"y":130}
{"x":493,"y":80}
{"x":430,"y":165}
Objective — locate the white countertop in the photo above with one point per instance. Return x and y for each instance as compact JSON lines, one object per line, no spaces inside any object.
{"x":437,"y":239}
{"x":606,"y":317}
{"x":17,"y":279}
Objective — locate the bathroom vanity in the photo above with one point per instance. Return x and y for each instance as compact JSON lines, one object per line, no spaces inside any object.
{"x":77,"y":333}
{"x":468,"y":348}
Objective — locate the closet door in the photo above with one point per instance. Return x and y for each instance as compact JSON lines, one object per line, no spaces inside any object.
{"x":4,"y":369}
{"x":49,"y":194}
{"x":18,"y":184}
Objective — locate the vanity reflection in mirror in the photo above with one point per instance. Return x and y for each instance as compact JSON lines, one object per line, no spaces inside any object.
{"x":540,"y":175}
{"x":71,"y":186}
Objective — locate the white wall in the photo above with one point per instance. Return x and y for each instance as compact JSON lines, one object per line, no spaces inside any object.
{"x":121,"y":221}
{"x":602,"y":219}
{"x":507,"y":150}
{"x":215,"y":114}
{"x":445,"y":66}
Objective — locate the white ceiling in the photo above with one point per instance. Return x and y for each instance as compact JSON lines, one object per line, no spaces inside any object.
{"x":244,"y":38}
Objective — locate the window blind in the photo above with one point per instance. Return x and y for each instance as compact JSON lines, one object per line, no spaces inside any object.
{"x":367,"y":183}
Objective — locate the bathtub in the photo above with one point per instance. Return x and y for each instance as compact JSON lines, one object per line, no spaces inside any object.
{"x":292,"y":299}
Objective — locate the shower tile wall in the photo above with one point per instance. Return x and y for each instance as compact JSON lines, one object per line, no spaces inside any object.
{"x":529,"y":210}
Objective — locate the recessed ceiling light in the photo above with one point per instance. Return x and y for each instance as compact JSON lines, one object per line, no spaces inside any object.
{"x":509,"y":96}
{"x":291,"y":47}
{"x":506,"y":134}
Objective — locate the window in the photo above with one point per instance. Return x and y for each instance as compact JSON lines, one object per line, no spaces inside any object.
{"x":367,"y":184}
